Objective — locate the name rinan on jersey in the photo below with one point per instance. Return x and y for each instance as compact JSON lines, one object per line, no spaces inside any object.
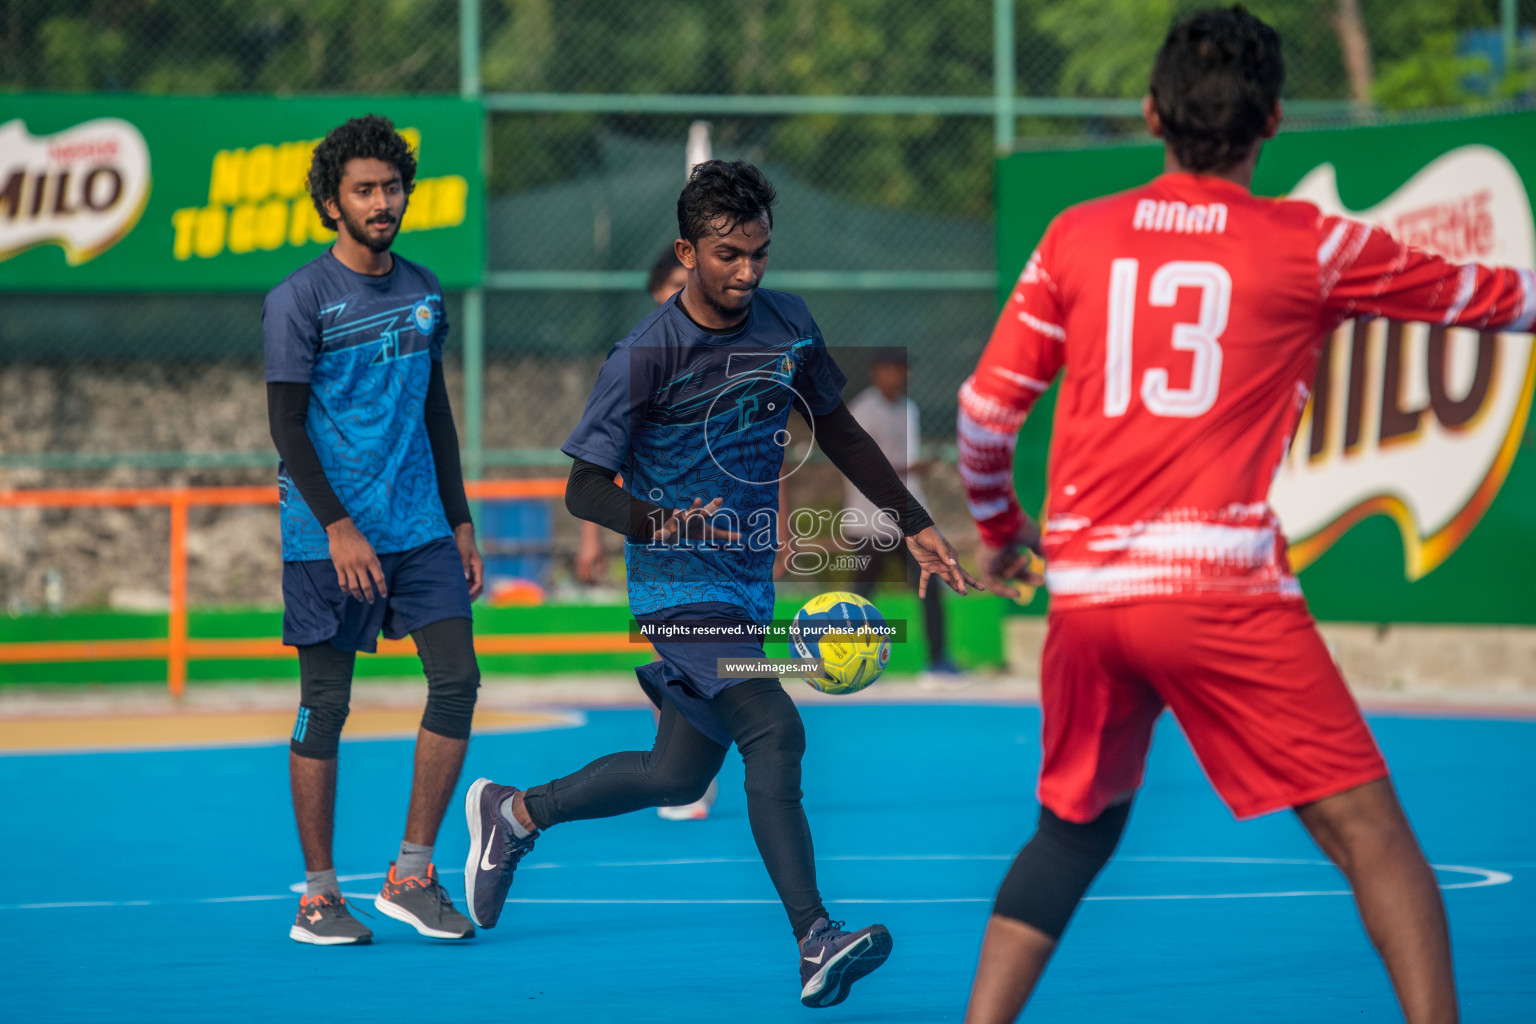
{"x":1180,"y":218}
{"x":1189,"y":315}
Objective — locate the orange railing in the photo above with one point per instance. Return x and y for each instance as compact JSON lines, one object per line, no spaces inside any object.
{"x":177,"y":648}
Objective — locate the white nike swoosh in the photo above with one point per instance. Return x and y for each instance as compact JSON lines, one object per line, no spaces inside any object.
{"x":485,"y":860}
{"x":817,"y":958}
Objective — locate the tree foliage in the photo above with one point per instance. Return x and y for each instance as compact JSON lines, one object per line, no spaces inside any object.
{"x":1084,"y":48}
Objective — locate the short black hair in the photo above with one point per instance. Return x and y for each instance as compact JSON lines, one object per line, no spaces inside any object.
{"x":735,"y":191}
{"x":662,"y":268}
{"x":889,"y":356}
{"x":370,"y":137}
{"x":1214,"y":84}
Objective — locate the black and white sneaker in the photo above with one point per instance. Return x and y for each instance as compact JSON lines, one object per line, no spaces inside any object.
{"x":324,"y":920}
{"x":423,"y":904}
{"x":493,"y":852}
{"x":831,"y":960}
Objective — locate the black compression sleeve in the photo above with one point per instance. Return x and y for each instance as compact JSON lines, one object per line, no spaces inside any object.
{"x":444,"y":440}
{"x":1054,"y":870}
{"x":859,"y":458}
{"x":287,"y":409}
{"x":592,"y":495}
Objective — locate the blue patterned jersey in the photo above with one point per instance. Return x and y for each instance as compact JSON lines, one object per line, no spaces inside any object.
{"x":684,"y":413}
{"x":365,"y":346}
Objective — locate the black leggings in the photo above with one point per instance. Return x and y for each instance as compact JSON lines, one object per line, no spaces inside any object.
{"x":767,"y":730}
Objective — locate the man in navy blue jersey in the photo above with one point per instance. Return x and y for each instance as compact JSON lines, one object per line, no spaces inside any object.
{"x":376,"y":526}
{"x":693,"y":410}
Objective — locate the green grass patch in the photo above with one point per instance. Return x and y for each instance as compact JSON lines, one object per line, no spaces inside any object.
{"x":974,"y":628}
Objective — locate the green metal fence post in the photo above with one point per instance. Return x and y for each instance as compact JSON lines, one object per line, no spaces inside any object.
{"x":474,"y":383}
{"x":1509,"y":19}
{"x":469,"y":48}
{"x":473,"y":328}
{"x":1003,"y":84}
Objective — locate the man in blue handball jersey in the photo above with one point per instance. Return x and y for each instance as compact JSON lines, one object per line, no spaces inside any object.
{"x":376,"y":527}
{"x":693,"y":409}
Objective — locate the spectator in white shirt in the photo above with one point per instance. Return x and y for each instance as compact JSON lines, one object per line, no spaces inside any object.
{"x":890,"y":417}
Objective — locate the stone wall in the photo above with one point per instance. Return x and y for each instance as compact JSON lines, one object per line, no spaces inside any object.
{"x":118,"y":557}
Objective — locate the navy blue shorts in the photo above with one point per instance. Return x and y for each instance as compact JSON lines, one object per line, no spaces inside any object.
{"x":426,"y":584}
{"x":687,"y":672}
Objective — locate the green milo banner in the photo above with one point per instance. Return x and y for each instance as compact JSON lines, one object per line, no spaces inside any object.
{"x":1409,"y":494}
{"x":139,"y":193}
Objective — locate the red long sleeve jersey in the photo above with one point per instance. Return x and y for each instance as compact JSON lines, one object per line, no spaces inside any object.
{"x":1188,"y":316}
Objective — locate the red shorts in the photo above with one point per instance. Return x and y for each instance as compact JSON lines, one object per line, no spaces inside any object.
{"x":1251,"y":685}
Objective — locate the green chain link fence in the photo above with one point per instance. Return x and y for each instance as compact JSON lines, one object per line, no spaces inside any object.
{"x":878,"y":120}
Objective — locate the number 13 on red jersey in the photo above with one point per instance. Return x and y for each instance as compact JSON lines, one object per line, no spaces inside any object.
{"x":1202,"y":338}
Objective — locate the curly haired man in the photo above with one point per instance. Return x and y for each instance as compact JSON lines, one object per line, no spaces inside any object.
{"x":376,"y":527}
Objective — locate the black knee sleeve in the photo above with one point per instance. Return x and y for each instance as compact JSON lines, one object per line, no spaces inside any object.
{"x":447,"y":652}
{"x":450,"y":707}
{"x":1054,"y":870}
{"x":325,"y":689}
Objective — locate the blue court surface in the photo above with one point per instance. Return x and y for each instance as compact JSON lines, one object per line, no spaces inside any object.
{"x":155,"y":886}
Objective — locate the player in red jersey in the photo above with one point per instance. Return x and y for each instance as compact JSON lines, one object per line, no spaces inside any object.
{"x":1187,"y":316}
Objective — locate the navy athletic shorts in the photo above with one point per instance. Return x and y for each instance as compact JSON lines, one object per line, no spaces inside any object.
{"x":426,"y":584}
{"x":686,"y":673}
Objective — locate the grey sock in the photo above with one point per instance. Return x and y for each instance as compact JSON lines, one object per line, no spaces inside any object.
{"x":317,"y":882}
{"x":511,"y":819}
{"x":413,"y":861}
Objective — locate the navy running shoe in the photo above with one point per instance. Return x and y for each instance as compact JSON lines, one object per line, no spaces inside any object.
{"x":831,"y":960}
{"x":493,"y":852}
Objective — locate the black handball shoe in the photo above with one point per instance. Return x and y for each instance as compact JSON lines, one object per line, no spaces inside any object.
{"x":831,"y":960}
{"x":493,"y":852}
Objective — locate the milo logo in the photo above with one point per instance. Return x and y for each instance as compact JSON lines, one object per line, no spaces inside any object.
{"x":1415,"y":421}
{"x":81,"y":189}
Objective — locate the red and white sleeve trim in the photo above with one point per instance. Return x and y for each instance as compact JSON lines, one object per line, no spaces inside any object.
{"x":987,"y":432}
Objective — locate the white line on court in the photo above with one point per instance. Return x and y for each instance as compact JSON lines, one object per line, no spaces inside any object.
{"x":693,"y":861}
{"x":1484,"y":877}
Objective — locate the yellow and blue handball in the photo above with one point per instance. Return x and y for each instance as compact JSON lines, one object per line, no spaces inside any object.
{"x":849,"y":636}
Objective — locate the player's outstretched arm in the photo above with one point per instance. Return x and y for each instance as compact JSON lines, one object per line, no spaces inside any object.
{"x":859,"y":458}
{"x":937,"y":557}
{"x":1004,"y":568}
{"x":988,"y":429}
{"x":1024,"y":355}
{"x":1364,"y":270}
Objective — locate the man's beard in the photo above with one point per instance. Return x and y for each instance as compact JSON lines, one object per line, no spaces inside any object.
{"x":727,"y":312}
{"x":360,"y":233}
